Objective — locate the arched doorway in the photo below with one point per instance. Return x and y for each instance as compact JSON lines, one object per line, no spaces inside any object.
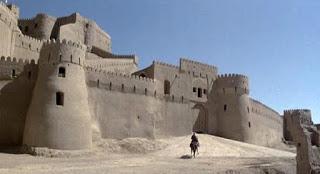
{"x":201,"y":123}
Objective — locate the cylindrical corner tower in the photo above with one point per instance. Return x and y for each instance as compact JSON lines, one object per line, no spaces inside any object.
{"x":231,"y":106}
{"x":58,"y":116}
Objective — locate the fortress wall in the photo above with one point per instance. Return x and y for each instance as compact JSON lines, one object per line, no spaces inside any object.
{"x":63,"y":120}
{"x":198,"y":69}
{"x":118,"y":65}
{"x":95,"y":36}
{"x":291,"y":119}
{"x":120,"y":82}
{"x":39,"y":27}
{"x":231,"y":100}
{"x":123,"y":114}
{"x":15,"y":96}
{"x":180,"y":84}
{"x":77,"y":28}
{"x":131,"y":112}
{"x":8,"y":23}
{"x":11,"y":68}
{"x":266,"y":125}
{"x":26,"y":46}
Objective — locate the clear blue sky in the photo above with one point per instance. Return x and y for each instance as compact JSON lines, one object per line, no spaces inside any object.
{"x":275,"y":43}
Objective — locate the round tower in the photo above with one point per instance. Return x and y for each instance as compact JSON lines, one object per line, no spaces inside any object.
{"x":58,"y":116}
{"x":231,"y":95}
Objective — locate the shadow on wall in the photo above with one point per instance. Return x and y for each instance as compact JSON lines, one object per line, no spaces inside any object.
{"x":15,"y":96}
{"x":201,"y":123}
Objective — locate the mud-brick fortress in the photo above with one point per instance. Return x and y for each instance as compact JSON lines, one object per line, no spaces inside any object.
{"x":60,"y":84}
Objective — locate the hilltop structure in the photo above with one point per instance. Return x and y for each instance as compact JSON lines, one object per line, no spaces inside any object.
{"x":59,"y":80}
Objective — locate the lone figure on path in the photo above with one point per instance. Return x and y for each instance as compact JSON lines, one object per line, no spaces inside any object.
{"x":194,"y":145}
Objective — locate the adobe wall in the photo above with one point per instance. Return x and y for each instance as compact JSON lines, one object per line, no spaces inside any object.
{"x":79,"y":29}
{"x":26,"y":47}
{"x":39,"y":27}
{"x":8,"y":24}
{"x":241,"y":118}
{"x":124,"y":65}
{"x":15,"y":96}
{"x":147,"y":113}
{"x":66,"y":125}
{"x":304,"y":134}
{"x":182,"y":81}
{"x":231,"y":100}
{"x":266,"y":125}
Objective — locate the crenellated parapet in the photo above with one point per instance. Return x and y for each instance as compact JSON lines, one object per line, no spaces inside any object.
{"x":57,"y":51}
{"x":301,"y":115}
{"x":8,"y":15}
{"x":232,"y":83}
{"x":182,"y":60}
{"x":165,"y":65}
{"x":11,"y":67}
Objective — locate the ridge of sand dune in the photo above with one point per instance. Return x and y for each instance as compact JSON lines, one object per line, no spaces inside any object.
{"x":211,"y":146}
{"x":219,"y":147}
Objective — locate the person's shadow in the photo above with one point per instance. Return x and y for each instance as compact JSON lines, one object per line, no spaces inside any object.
{"x":186,"y":157}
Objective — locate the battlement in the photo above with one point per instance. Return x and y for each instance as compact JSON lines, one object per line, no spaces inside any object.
{"x":9,"y":60}
{"x":28,"y":38}
{"x":303,"y":116}
{"x":56,"y":51}
{"x":119,"y":75}
{"x":197,"y":63}
{"x":291,"y":111}
{"x":7,"y":16}
{"x":54,"y":43}
{"x":165,"y":64}
{"x":230,"y":76}
{"x":9,"y":8}
{"x":232,"y":83}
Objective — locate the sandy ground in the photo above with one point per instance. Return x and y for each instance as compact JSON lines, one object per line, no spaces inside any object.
{"x":136,"y":155}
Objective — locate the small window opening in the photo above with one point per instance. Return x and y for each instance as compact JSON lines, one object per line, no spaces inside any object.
{"x":235,"y":89}
{"x":134,"y":89}
{"x":35,"y":25}
{"x":145,"y":91}
{"x":13,"y":73}
{"x":182,"y":98}
{"x":122,"y":87}
{"x":199,"y":92}
{"x":225,"y":107}
{"x":62,"y":72}
{"x":60,"y":98}
{"x":79,"y":61}
{"x":204,"y":91}
{"x":167,"y":87}
{"x":194,"y":89}
{"x":249,"y":124}
{"x":110,"y":86}
{"x":98,"y":83}
{"x":71,"y":58}
{"x":26,"y":29}
{"x":29,"y":75}
{"x":224,"y":90}
{"x":172,"y":97}
{"x":248,"y":109}
{"x":155,"y":93}
{"x":60,"y":58}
